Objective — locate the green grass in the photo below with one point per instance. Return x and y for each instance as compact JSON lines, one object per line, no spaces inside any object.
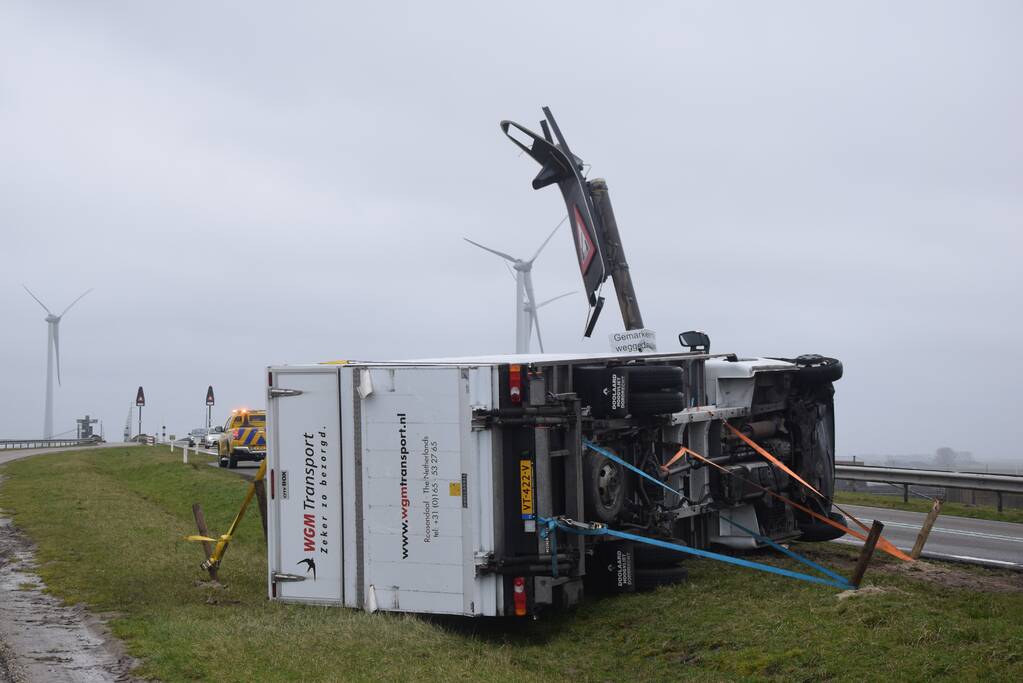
{"x":921,"y":505}
{"x":108,"y":526}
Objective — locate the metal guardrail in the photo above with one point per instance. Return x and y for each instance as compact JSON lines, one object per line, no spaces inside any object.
{"x":12,"y":444}
{"x":980,"y":481}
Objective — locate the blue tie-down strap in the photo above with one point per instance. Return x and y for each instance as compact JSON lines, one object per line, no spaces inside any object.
{"x":549,"y":525}
{"x":794,"y":555}
{"x":763,"y":539}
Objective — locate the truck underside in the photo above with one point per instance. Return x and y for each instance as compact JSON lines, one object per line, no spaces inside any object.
{"x":643,"y":410}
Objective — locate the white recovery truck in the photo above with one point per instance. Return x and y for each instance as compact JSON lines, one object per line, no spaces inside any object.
{"x":507,"y":485}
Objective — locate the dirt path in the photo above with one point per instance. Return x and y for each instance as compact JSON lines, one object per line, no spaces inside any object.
{"x":40,"y":638}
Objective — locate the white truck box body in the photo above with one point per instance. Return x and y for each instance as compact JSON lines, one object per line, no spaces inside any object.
{"x":379,"y":481}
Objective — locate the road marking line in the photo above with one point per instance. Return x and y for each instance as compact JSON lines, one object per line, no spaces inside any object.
{"x":957,"y":532}
{"x":942,"y":556}
{"x":980,"y":559}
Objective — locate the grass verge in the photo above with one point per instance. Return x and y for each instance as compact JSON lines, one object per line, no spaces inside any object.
{"x":108,"y":526}
{"x":921,"y":505}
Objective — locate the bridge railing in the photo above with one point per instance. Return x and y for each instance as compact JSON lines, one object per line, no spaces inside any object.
{"x":12,"y":444}
{"x":977,"y":481}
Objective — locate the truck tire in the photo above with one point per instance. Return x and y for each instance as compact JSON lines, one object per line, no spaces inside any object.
{"x":815,"y":370}
{"x":818,"y":532}
{"x":232,"y":461}
{"x":656,"y":403}
{"x":605,"y":488}
{"x":644,"y":378}
{"x":649,"y":579}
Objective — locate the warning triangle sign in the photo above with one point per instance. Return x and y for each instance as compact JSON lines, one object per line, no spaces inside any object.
{"x":209,"y":396}
{"x":140,"y":398}
{"x":583,"y":244}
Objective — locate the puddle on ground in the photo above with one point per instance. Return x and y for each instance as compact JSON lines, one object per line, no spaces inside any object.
{"x":40,"y":638}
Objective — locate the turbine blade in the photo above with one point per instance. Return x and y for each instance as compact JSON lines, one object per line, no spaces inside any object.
{"x":560,"y":296}
{"x":37,"y":300}
{"x":533,"y":320}
{"x":56,"y":347}
{"x":492,"y":251}
{"x":548,"y":238}
{"x":539,"y":339}
{"x":75,"y":302}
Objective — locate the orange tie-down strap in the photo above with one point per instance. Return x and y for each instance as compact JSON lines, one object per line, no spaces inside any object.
{"x":882,"y":543}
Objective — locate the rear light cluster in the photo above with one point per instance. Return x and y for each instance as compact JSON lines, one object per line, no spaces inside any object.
{"x":515,"y":383}
{"x":519,"y":595}
{"x":237,"y":433}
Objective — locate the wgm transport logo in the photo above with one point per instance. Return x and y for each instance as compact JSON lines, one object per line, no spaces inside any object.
{"x":315,"y":521}
{"x":310,"y":563}
{"x":403,"y":482}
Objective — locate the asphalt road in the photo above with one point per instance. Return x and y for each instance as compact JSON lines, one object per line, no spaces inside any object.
{"x":960,"y":539}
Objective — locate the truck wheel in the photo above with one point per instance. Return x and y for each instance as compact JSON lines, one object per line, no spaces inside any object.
{"x":818,"y":532}
{"x":649,"y":579}
{"x":656,"y":403}
{"x":605,"y":487}
{"x":232,"y":462}
{"x":654,"y":377}
{"x":815,"y":370}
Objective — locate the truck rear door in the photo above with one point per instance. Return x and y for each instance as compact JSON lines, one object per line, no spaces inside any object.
{"x":427,"y":488}
{"x":305,"y":530}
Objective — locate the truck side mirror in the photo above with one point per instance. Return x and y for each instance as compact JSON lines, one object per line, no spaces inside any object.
{"x":696,"y":340}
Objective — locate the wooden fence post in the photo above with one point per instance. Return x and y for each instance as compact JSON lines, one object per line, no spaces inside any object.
{"x":925,"y":530}
{"x":866,"y":553}
{"x":261,"y":499}
{"x":200,"y":522}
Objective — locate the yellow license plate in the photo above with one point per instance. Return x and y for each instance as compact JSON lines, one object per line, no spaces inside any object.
{"x":526,"y":488}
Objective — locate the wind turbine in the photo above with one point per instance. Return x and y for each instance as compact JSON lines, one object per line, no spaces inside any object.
{"x":525,"y":298}
{"x":52,"y":351}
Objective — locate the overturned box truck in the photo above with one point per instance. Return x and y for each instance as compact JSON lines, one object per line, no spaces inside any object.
{"x":507,"y":485}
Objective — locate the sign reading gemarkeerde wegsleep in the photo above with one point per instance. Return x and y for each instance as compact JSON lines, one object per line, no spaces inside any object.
{"x":633,"y":341}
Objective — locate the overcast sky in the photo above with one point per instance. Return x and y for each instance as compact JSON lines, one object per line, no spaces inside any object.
{"x":250,"y":183}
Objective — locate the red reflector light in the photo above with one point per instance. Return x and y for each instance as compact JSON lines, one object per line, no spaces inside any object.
{"x":519,"y":595}
{"x":237,"y":433}
{"x":515,"y":383}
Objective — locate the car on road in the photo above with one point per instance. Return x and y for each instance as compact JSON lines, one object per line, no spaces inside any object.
{"x":212,"y":435}
{"x":243,"y":438}
{"x":196,"y":436}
